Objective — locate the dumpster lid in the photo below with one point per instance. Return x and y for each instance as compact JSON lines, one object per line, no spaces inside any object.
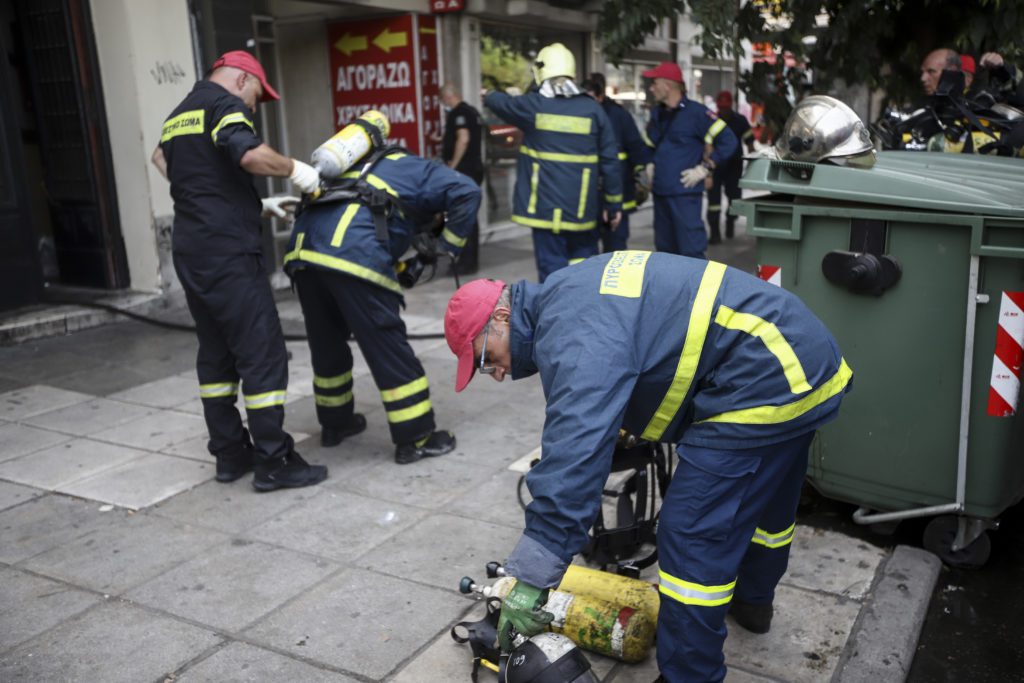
{"x":956,"y":183}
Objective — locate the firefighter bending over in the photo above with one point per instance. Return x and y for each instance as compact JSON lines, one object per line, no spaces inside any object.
{"x":736,"y":372}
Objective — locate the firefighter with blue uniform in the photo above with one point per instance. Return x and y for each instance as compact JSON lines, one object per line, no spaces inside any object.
{"x":736,"y":372}
{"x":568,"y":153}
{"x":727,"y":174}
{"x":209,"y":151}
{"x":342,"y":258}
{"x":679,"y":131}
{"x":633,"y":154}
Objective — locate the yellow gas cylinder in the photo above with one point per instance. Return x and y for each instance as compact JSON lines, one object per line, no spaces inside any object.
{"x":350,"y":144}
{"x":609,"y":628}
{"x":621,"y":590}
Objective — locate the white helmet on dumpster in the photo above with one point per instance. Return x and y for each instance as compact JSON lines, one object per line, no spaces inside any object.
{"x":822,"y":128}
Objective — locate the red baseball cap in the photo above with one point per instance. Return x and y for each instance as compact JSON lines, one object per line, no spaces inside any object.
{"x":667,"y":70}
{"x":967,"y":64}
{"x":724,"y":100}
{"x":468,"y":311}
{"x":240,"y":59}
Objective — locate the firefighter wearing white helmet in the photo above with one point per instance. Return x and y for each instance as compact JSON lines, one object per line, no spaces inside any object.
{"x":568,"y":153}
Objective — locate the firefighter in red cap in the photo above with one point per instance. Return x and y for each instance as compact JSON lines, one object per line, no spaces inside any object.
{"x":209,"y":150}
{"x":679,"y":129}
{"x":727,"y":174}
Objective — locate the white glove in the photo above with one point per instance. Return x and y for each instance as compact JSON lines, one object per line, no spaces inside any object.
{"x":304,"y":177}
{"x":693,"y":176}
{"x":279,"y":206}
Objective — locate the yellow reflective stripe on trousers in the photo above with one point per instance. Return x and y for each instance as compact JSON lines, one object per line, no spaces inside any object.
{"x":690,"y":593}
{"x":773,"y":340}
{"x":265,"y":400}
{"x":714,"y":130}
{"x":332,"y":382}
{"x":782,"y":538}
{"x":631,"y":204}
{"x":218,"y":390}
{"x":552,"y":224}
{"x":560,"y":123}
{"x":451,"y":238}
{"x":185,"y":123}
{"x":559,"y":156}
{"x":790,"y":411}
{"x":346,"y":219}
{"x":234,"y":117}
{"x":333,"y":401}
{"x":404,"y":391}
{"x":693,"y":345}
{"x":623,"y":156}
{"x":534,"y":177}
{"x":584,"y":186}
{"x":410,"y":413}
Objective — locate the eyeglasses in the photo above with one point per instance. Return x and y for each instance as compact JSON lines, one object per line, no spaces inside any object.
{"x":483,"y":354}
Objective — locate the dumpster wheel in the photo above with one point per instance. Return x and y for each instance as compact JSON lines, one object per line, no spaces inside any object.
{"x":940,"y":536}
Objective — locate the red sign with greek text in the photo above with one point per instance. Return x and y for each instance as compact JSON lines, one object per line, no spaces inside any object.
{"x":443,"y":6}
{"x":390,"y":65}
{"x":430,"y":88}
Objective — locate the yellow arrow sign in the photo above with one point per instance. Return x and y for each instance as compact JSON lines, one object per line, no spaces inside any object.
{"x":349,"y":43}
{"x":387,"y":40}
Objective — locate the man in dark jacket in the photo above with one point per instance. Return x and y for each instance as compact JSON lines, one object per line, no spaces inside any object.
{"x":727,"y":174}
{"x":736,"y":372}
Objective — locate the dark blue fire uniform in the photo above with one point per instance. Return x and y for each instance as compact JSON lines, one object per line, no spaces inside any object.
{"x":217,"y":255}
{"x":727,"y":176}
{"x":633,"y":156}
{"x":346,"y":282}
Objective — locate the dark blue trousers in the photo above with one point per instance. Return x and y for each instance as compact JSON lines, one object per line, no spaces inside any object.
{"x":678,"y":226}
{"x":554,"y":250}
{"x":724,"y":533}
{"x":615,"y":240}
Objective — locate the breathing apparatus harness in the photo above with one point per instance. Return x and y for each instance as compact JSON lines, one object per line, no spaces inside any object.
{"x":382,"y":206}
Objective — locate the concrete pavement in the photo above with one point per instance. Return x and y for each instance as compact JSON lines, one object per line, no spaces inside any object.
{"x":122,"y":560}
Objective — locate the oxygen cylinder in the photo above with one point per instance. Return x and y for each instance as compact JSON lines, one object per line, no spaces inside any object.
{"x":621,"y":590}
{"x":350,"y":144}
{"x":607,"y":627}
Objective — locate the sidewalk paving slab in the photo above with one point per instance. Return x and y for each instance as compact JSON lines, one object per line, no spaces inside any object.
{"x":142,"y":482}
{"x":30,"y":605}
{"x":243,"y":663}
{"x":19,"y":440}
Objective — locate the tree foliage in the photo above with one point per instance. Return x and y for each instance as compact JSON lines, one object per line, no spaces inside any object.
{"x":878,"y":43}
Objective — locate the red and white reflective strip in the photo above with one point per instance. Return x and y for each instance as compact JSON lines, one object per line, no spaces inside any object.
{"x":770,"y":274}
{"x":1004,"y":390}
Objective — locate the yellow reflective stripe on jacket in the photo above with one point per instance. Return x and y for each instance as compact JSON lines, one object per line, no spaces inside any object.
{"x":339,"y":264}
{"x":333,"y":401}
{"x":790,"y":411}
{"x":396,"y":156}
{"x":778,"y":540}
{"x":265,"y":400}
{"x":186,"y":123}
{"x":451,"y":238}
{"x":218,"y":390}
{"x":773,"y":340}
{"x":559,"y":156}
{"x":631,"y":204}
{"x":234,"y":117}
{"x":332,"y":382}
{"x":613,"y":197}
{"x":410,"y":413}
{"x":534,"y":178}
{"x":381,"y":184}
{"x":584,"y":186}
{"x":560,"y":123}
{"x":693,"y":345}
{"x":690,"y":593}
{"x":552,"y":224}
{"x":714,"y":130}
{"x":346,"y":219}
{"x":574,"y":261}
{"x":404,"y":391}
{"x":623,"y":156}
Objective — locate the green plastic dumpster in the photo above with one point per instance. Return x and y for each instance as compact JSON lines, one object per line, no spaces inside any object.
{"x":917,"y":267}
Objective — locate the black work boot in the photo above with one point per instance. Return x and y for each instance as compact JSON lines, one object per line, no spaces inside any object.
{"x":236,"y":462}
{"x":730,"y":227}
{"x":329,"y":436}
{"x":289,"y":472}
{"x":754,"y":618}
{"x":436,"y":443}
{"x":716,"y":236}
